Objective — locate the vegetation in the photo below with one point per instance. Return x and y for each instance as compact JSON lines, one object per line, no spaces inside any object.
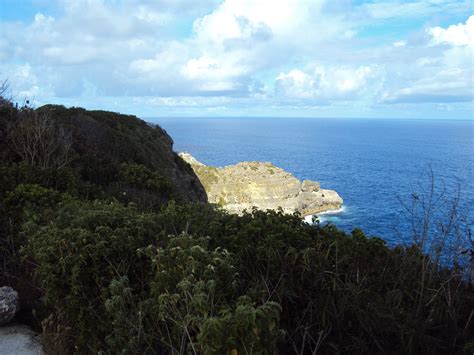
{"x":208,"y":175}
{"x":110,"y":257}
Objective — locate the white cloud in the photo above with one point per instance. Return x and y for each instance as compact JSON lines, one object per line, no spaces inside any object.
{"x":172,"y":55}
{"x":455,"y":35}
{"x":199,"y":67}
{"x":123,"y":47}
{"x":279,"y":20}
{"x":232,"y":53}
{"x":235,"y":19}
{"x":399,"y":44}
{"x":445,"y":76}
{"x":240,"y":38}
{"x":212,"y":74}
{"x":448,"y":85}
{"x":296,"y":84}
{"x":330,"y":83}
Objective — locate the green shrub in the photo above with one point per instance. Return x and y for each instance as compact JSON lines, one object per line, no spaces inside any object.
{"x":138,"y":184}
{"x":141,"y":177}
{"x":79,"y":252}
{"x":351,"y":291}
{"x":32,"y":203}
{"x":64,"y":179}
{"x":192,"y":306}
{"x":192,"y":278}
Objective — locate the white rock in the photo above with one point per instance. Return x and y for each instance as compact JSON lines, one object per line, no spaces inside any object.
{"x":9,"y":304}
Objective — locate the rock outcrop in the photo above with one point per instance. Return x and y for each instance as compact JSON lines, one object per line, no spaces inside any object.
{"x":262,"y":185}
{"x":9,"y":304}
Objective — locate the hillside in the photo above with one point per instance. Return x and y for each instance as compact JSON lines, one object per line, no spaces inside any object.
{"x":100,"y":145}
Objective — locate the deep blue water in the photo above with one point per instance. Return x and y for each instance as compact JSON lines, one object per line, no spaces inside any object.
{"x":369,"y":162}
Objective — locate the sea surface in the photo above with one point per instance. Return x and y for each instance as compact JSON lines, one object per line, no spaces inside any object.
{"x":374,"y":164}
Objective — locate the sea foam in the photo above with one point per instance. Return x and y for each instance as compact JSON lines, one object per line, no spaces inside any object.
{"x":326,"y":216}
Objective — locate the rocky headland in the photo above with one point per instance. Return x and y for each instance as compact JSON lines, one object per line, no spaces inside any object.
{"x":263,"y":185}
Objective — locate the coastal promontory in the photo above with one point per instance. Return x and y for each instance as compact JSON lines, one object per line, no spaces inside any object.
{"x":263,"y":185}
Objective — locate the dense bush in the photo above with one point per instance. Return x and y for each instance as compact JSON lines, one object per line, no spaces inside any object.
{"x":120,"y":282}
{"x":64,"y":179}
{"x":138,"y":184}
{"x":79,"y":252}
{"x":338,"y":292}
{"x":33,"y":203}
{"x":192,"y":305}
{"x":103,"y":265}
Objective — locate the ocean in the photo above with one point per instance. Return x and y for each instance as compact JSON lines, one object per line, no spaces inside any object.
{"x":374,"y":164}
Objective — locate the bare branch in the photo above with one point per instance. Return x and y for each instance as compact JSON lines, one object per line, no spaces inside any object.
{"x":4,"y":87}
{"x":39,"y":141}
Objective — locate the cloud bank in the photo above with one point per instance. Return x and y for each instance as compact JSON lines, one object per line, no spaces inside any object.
{"x":243,"y":57}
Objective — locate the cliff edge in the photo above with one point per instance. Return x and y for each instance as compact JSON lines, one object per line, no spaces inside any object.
{"x":262,"y":185}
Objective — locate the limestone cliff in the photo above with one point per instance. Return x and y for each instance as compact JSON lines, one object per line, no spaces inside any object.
{"x":263,"y":185}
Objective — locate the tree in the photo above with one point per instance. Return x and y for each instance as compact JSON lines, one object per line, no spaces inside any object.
{"x":39,"y":141}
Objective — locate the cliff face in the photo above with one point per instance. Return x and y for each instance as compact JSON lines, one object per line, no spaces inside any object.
{"x":263,"y":185}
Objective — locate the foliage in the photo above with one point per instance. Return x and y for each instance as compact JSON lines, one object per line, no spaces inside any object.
{"x":192,"y":306}
{"x":255,"y":283}
{"x":29,"y":202}
{"x":63,"y":179}
{"x":79,"y":252}
{"x":143,"y":186}
{"x":339,"y":293}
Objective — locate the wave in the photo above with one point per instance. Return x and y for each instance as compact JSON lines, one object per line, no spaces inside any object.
{"x":326,"y":216}
{"x":331,"y":212}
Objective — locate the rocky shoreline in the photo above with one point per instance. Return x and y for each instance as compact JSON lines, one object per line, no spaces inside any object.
{"x":263,"y":185}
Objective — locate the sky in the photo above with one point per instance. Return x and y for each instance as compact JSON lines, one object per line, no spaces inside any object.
{"x":256,"y":58}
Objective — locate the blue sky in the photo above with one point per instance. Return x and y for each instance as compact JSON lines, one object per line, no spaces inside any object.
{"x":308,"y":58}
